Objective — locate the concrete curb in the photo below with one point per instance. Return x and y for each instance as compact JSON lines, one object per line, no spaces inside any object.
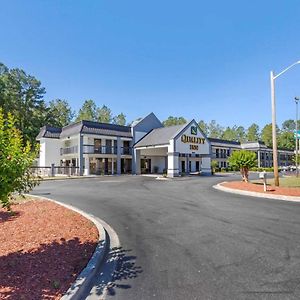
{"x":68,"y":178}
{"x":84,"y":279}
{"x":255,"y":194}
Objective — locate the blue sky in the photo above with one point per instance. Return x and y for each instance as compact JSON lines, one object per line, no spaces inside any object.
{"x":197,"y":59}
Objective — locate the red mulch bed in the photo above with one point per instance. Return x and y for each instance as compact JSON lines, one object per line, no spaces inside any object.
{"x":260,"y":188}
{"x":43,"y":247}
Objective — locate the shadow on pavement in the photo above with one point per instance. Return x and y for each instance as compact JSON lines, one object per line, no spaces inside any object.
{"x":116,"y":273}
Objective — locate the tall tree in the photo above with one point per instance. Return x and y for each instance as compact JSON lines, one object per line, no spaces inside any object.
{"x":266,"y":134}
{"x":253,"y":133}
{"x":203,"y":126}
{"x":104,"y":114}
{"x":87,"y":111}
{"x":60,"y":113}
{"x":22,"y":95}
{"x":229,"y":134}
{"x":288,"y":125}
{"x":240,"y":134}
{"x":286,"y":140}
{"x":174,"y":121}
{"x":215,"y":130}
{"x":120,"y":119}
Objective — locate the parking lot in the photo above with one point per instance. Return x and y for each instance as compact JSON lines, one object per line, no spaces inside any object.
{"x":185,"y":240}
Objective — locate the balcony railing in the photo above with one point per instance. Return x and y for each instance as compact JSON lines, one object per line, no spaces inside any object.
{"x":126,"y":151}
{"x":91,"y":149}
{"x":69,"y":150}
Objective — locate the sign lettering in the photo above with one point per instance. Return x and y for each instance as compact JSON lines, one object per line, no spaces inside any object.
{"x":192,"y":139}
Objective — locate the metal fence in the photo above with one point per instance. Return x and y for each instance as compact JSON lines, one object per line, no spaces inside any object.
{"x":53,"y":171}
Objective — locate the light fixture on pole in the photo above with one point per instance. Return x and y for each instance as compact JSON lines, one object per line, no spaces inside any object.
{"x":296,"y":160}
{"x":274,"y":137}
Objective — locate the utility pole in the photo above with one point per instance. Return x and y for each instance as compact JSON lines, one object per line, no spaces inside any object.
{"x":296,"y":101}
{"x":274,"y":133}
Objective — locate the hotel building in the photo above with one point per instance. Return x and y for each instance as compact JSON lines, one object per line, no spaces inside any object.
{"x":144,"y":147}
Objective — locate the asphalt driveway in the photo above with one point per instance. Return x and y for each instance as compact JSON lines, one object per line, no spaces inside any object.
{"x":182,"y":239}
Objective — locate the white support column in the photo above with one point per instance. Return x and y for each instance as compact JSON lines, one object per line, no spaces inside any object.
{"x":119,"y":156}
{"x":103,"y":145}
{"x":112,"y":166}
{"x":258,"y":159}
{"x":173,"y":164}
{"x":80,"y":154}
{"x":206,"y":166}
{"x":136,"y":162}
{"x":86,"y":166}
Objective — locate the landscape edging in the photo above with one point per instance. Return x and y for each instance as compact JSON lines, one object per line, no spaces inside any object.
{"x":85,"y":277}
{"x":222,"y":188}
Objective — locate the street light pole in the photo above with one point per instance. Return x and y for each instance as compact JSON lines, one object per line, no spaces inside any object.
{"x":274,"y":134}
{"x":297,"y":171}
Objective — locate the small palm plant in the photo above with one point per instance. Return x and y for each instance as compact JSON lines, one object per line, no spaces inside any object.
{"x":243,"y":160}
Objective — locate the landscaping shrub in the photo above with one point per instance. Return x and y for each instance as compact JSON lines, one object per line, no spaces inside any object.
{"x":214,"y":166}
{"x":15,"y":161}
{"x":244,"y":160}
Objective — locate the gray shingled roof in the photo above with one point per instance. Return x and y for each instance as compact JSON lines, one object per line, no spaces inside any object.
{"x":89,"y":127}
{"x":221,"y":141}
{"x":160,"y":136}
{"x":49,"y":132}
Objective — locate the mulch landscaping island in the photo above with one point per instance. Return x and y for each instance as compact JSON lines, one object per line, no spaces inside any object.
{"x":43,"y":247}
{"x":286,"y":191}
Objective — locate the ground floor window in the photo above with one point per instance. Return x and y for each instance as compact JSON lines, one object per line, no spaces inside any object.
{"x":108,"y":166}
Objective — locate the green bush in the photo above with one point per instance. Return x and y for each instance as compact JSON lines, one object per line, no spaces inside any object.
{"x":15,"y":161}
{"x":244,"y":160}
{"x":214,"y":166}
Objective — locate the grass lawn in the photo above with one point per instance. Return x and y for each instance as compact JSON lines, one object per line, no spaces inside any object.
{"x":283,"y":181}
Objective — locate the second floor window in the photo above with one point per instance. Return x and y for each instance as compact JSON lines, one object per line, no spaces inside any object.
{"x":97,"y":145}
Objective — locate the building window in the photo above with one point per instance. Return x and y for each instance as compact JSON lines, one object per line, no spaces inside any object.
{"x":217,"y":153}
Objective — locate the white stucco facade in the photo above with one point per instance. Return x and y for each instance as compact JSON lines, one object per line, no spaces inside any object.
{"x":144,"y":147}
{"x":49,"y":152}
{"x":187,"y":151}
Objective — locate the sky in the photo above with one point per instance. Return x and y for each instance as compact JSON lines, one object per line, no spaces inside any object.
{"x":208,"y":60}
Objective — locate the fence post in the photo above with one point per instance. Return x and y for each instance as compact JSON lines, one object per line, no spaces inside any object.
{"x":52,"y":170}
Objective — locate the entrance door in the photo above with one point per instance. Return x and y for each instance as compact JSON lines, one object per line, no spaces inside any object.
{"x":146,"y":166}
{"x":197,"y":165}
{"x":182,"y":166}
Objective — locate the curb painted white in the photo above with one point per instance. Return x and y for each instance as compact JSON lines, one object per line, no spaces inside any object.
{"x":255,"y":194}
{"x":85,"y":277}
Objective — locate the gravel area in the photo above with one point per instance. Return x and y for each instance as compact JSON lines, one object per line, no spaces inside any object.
{"x":43,"y":247}
{"x":286,"y":191}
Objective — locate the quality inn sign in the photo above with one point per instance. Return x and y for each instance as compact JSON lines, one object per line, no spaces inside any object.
{"x":192,"y":139}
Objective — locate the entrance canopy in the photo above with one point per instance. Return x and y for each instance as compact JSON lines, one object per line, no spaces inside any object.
{"x":174,"y":150}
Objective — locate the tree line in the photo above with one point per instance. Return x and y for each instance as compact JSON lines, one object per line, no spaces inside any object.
{"x":22,"y":95}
